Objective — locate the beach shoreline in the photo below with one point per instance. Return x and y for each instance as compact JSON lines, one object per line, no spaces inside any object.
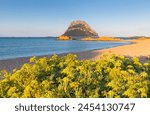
{"x":17,"y":63}
{"x":138,"y":48}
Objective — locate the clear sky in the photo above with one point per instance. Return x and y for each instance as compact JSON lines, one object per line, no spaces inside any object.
{"x":52,"y":17}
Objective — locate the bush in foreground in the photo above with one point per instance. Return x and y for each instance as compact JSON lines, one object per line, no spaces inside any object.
{"x":67,"y":77}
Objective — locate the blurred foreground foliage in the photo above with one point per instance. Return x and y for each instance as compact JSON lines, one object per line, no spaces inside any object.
{"x":67,"y":77}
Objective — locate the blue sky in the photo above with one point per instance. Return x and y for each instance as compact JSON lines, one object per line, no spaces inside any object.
{"x":52,"y":17}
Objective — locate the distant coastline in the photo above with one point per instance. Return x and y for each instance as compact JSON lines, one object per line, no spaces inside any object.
{"x":33,"y":46}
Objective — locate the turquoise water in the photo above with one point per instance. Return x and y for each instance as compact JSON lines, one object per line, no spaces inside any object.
{"x":37,"y":46}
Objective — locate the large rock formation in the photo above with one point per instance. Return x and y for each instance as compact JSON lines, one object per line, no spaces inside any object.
{"x":80,"y":29}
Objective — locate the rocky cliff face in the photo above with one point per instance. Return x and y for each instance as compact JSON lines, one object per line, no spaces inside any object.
{"x":80,"y":29}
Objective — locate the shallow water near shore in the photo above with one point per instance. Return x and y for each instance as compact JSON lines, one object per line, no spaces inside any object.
{"x":14,"y":47}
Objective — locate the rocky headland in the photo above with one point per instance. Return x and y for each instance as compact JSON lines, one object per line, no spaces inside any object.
{"x":80,"y":29}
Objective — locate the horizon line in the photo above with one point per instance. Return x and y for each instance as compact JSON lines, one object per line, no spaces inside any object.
{"x":58,"y":36}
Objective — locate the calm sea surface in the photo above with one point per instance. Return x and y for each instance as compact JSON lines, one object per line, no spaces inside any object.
{"x":36,"y":46}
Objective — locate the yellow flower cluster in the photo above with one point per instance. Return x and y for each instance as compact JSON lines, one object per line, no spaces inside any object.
{"x":67,"y":77}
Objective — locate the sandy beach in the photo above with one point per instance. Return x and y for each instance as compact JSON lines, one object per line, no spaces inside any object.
{"x":139,"y":48}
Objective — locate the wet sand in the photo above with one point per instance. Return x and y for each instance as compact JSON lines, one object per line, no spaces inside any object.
{"x":10,"y":64}
{"x":140,"y":48}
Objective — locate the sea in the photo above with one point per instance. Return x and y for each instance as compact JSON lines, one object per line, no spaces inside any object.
{"x":14,"y":47}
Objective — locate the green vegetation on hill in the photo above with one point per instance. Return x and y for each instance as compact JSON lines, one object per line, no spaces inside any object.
{"x":66,"y":77}
{"x":139,"y":37}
